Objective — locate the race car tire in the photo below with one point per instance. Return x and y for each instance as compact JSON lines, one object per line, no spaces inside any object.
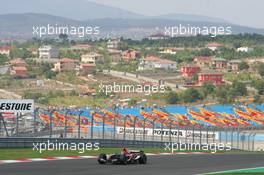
{"x":123,"y":159}
{"x":143,"y":159}
{"x":102,"y":156}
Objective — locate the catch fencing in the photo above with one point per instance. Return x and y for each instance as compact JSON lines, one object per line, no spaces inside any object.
{"x":47,"y":123}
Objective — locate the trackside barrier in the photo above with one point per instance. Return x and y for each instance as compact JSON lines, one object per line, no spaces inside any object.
{"x":74,"y":124}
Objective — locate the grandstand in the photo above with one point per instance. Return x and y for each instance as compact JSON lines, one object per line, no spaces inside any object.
{"x":147,"y":123}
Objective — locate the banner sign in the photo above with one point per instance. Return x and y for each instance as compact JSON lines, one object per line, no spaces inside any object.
{"x":166,"y":132}
{"x":23,"y":106}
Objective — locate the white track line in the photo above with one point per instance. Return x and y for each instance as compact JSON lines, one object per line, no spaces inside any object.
{"x":80,"y":157}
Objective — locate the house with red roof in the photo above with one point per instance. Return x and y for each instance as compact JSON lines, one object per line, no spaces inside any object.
{"x":213,"y":46}
{"x":130,"y":54}
{"x":5,"y":50}
{"x":65,"y":64}
{"x":19,"y":71}
{"x":210,"y":76}
{"x":81,"y":47}
{"x":190,"y":70}
{"x":18,"y":62}
{"x":219,"y":63}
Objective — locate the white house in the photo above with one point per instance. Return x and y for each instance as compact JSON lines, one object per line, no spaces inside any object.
{"x":158,"y":36}
{"x":169,"y":51}
{"x":5,"y":50}
{"x":153,"y":62}
{"x":244,"y":49}
{"x":48,"y":52}
{"x":113,"y":43}
{"x":91,"y":58}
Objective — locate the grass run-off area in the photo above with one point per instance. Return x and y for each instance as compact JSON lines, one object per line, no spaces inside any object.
{"x":21,"y":153}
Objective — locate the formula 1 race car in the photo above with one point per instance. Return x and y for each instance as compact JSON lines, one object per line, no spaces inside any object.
{"x":133,"y":157}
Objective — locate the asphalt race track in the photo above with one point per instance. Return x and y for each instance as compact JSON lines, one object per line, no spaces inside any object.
{"x":157,"y":165}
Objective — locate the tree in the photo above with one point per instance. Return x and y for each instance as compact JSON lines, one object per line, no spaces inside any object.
{"x":64,"y":38}
{"x":259,"y":85}
{"x":206,"y":52}
{"x":3,"y":59}
{"x":223,"y":96}
{"x":208,"y":88}
{"x":258,"y":99}
{"x":191,"y":95}
{"x":172,"y":98}
{"x":238,"y":89}
{"x":132,"y":102}
{"x":243,"y":66}
{"x":261,"y":69}
{"x":50,"y":74}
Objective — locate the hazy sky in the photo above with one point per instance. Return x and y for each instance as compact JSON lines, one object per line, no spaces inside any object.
{"x":244,"y":12}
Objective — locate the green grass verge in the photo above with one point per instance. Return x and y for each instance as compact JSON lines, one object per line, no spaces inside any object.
{"x":20,"y":153}
{"x":246,"y":171}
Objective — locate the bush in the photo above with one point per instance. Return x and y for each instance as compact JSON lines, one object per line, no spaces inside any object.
{"x":191,"y":95}
{"x":43,"y":100}
{"x":172,"y":98}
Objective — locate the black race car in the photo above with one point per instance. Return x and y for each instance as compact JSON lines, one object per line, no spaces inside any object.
{"x":133,"y":157}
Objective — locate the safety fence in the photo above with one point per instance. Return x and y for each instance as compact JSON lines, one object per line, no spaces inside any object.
{"x":49,"y":123}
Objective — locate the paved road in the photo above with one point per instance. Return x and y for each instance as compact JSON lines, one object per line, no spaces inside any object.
{"x":165,"y":165}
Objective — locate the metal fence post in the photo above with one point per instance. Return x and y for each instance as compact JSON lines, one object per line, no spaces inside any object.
{"x":51,"y":122}
{"x":185,"y":135}
{"x":34,"y":121}
{"x":170,"y":131}
{"x":193,"y":134}
{"x":161,"y":136}
{"x":200,"y":141}
{"x":249,"y":135}
{"x":243,"y":140}
{"x":114,"y":136}
{"x":124,"y":126}
{"x":79,"y":124}
{"x":207,"y":132}
{"x":220,"y":136}
{"x":226,"y":136}
{"x":214,"y":134}
{"x":134,"y":129}
{"x":66,"y":123}
{"x":17,"y":123}
{"x":238,"y":138}
{"x":4,"y":124}
{"x":144,"y":128}
{"x":92,"y":124}
{"x":253,"y":142}
{"x":232,"y":137}
{"x":178,"y":132}
{"x":103,"y":136}
{"x":153,"y":128}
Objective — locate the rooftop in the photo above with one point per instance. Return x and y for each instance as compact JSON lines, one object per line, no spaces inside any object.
{"x":20,"y":68}
{"x":5,"y":48}
{"x":68,"y":60}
